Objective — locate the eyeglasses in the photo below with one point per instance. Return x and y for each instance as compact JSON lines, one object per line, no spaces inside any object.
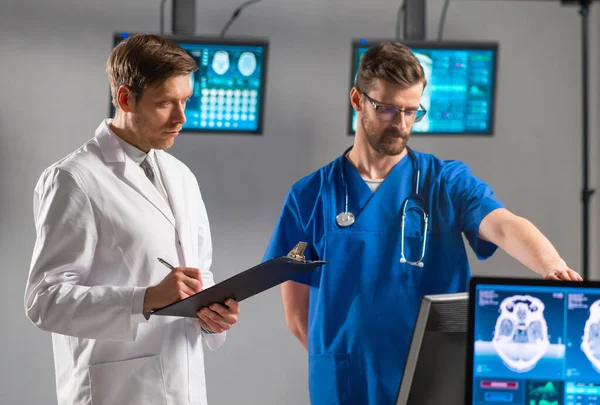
{"x":390,"y":113}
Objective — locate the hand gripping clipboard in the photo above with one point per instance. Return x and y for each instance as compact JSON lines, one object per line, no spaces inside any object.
{"x":245,"y":284}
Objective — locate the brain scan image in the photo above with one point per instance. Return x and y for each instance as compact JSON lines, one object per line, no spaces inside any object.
{"x":590,"y":344}
{"x":521,"y":332}
{"x":247,"y":63}
{"x":220,"y":63}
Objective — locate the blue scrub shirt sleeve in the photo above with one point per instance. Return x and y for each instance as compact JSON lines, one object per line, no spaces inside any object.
{"x":472,"y":199}
{"x":288,"y":232}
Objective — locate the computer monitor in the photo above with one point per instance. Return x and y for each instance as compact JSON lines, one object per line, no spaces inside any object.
{"x":228,"y":87}
{"x":434,"y":368}
{"x":461,"y":86}
{"x":533,"y":342}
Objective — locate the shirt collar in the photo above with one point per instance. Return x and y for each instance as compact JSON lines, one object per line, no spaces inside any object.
{"x":133,"y":152}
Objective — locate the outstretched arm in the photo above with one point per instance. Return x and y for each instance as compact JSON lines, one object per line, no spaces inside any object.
{"x":522,"y":240}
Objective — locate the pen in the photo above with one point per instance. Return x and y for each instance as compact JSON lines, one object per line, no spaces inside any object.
{"x":166,"y":263}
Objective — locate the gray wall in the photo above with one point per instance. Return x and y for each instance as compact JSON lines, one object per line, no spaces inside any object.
{"x":54,"y":94}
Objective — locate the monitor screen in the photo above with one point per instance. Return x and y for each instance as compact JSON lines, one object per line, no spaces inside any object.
{"x":533,"y":342}
{"x":228,"y":87}
{"x":434,"y":367}
{"x":460,"y":92}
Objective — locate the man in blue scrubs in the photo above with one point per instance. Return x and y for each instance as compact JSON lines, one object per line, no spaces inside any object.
{"x":355,"y":315}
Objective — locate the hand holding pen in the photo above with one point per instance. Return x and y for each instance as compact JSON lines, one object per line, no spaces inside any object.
{"x":179,"y":283}
{"x":215,"y":318}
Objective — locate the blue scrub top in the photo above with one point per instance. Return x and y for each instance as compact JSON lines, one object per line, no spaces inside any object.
{"x":363,"y":303}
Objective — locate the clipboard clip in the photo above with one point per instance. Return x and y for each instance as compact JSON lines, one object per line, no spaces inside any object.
{"x":297,"y":253}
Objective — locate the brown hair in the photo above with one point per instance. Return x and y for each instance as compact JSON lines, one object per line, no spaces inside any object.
{"x":392,"y":62}
{"x":145,"y":60}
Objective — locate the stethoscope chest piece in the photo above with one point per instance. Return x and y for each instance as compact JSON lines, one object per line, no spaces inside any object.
{"x":345,"y":219}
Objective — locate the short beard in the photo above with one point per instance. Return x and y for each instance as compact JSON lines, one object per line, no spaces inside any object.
{"x":145,"y":140}
{"x":386,"y":142}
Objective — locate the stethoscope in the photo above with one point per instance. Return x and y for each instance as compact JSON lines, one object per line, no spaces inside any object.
{"x":346,"y":218}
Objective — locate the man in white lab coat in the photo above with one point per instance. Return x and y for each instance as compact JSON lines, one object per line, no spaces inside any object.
{"x":103,"y":215}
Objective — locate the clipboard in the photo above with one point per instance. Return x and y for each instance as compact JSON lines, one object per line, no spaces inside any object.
{"x":245,"y":284}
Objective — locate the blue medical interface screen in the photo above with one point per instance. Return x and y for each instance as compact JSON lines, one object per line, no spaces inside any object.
{"x":228,"y":87}
{"x":459,"y":96}
{"x":536,"y":345}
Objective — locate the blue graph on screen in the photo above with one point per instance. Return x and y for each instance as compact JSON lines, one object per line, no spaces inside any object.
{"x":459,"y":96}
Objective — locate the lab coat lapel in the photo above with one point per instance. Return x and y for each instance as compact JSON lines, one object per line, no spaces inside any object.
{"x":131,"y":173}
{"x":136,"y":178}
{"x":175,"y":185}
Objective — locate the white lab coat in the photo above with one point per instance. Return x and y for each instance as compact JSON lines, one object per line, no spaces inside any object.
{"x":101,"y":225}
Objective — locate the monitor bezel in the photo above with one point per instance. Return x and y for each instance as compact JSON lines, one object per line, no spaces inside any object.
{"x":525,"y":282}
{"x":215,"y":40}
{"x":418,"y":334}
{"x":470,"y":45}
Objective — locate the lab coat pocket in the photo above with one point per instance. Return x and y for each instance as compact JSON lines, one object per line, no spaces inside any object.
{"x":329,"y":380}
{"x":132,"y":382}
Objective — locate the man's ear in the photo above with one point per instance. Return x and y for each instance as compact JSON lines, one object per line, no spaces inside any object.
{"x":125,"y":99}
{"x":355,"y":97}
